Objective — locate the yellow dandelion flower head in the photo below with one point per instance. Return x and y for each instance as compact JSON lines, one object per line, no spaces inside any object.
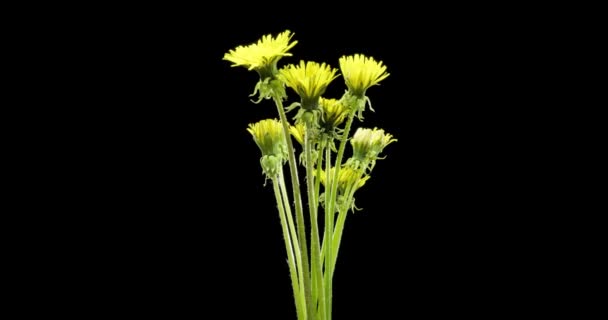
{"x":333,"y":113}
{"x":263,"y":55}
{"x":361,"y":72}
{"x":368,"y":144}
{"x":348,"y":177}
{"x":268,"y":135}
{"x":309,"y":80}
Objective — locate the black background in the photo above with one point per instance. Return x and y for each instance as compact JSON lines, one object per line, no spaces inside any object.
{"x":182,"y":221}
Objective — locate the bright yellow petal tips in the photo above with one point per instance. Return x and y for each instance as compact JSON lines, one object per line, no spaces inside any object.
{"x":263,"y":55}
{"x":268,"y":135}
{"x":361,"y":72}
{"x":309,"y":80}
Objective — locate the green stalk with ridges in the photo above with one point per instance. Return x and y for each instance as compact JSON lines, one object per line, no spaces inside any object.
{"x":299,"y":299}
{"x":295,"y":185}
{"x":314,"y":228}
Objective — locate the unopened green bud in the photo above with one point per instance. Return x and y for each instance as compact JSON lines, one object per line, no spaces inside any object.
{"x":271,"y":165}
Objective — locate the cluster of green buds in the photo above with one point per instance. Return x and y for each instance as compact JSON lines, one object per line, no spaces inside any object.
{"x":268,"y":135}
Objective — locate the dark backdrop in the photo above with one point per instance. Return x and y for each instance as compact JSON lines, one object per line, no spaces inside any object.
{"x":188,"y":226}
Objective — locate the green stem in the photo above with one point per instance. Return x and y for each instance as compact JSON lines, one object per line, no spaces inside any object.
{"x":300,"y":308}
{"x":337,"y":237}
{"x":314,"y":228}
{"x":292,"y":230}
{"x":338,"y":163}
{"x":295,"y":185}
{"x":342,"y":214}
{"x":317,"y":281}
{"x":318,"y":176}
{"x":327,"y":199}
{"x":332,"y":201}
{"x":327,"y":238}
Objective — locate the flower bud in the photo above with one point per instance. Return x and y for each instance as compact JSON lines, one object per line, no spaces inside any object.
{"x":368,"y":144}
{"x":268,"y":135}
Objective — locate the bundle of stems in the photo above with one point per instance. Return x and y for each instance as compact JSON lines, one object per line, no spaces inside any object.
{"x":322,"y":127}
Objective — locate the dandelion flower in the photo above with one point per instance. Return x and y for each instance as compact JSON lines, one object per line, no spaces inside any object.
{"x":263,"y":55}
{"x":348,"y":177}
{"x":309,"y":80}
{"x":361,"y":72}
{"x":333,"y":114}
{"x":368,"y":144}
{"x":268,"y":135}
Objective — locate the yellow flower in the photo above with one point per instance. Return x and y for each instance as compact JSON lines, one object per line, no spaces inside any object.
{"x":348,"y":178}
{"x":298,"y":131}
{"x":368,"y":144}
{"x":333,"y":114}
{"x":361,"y":72}
{"x":268,"y":135}
{"x":309,"y":80}
{"x":263,"y":55}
